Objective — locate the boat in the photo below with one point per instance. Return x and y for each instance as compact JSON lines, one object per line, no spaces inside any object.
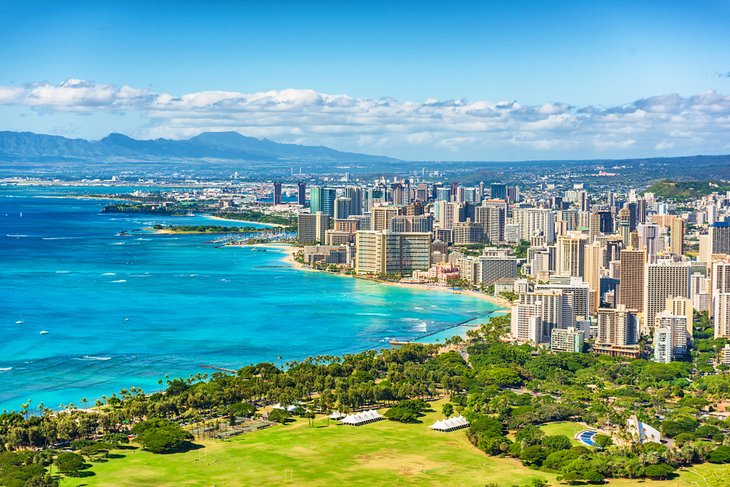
{"x":20,"y":320}
{"x":44,"y":332}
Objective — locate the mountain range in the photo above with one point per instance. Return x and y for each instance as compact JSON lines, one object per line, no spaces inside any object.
{"x":28,"y":146}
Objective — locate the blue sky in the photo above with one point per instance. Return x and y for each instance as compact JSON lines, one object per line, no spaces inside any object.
{"x":570,"y":66}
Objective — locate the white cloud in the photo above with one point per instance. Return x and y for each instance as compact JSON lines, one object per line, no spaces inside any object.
{"x":436,"y":128}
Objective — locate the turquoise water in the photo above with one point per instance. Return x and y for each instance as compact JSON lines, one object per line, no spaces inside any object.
{"x":124,"y":311}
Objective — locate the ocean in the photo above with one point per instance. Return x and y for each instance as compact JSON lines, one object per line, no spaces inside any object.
{"x":123,"y":311}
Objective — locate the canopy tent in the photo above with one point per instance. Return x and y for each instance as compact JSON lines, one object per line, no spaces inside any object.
{"x":337,"y":415}
{"x":364,"y":417}
{"x":450,"y":424}
{"x":289,"y":408}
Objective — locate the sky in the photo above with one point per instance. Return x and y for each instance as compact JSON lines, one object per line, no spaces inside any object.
{"x":491,"y":80}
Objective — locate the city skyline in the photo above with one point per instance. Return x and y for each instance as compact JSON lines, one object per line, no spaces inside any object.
{"x":503,"y":81}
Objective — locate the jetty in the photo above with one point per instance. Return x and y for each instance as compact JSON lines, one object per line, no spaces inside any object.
{"x":220,"y":369}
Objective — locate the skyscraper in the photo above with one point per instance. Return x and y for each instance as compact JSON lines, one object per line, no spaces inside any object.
{"x":388,"y":252}
{"x":676,"y":236}
{"x":498,"y":191}
{"x":665,"y":278}
{"x":356,"y":196}
{"x":301,"y":193}
{"x":571,"y":255}
{"x":277,"y":193}
{"x":720,"y":238}
{"x":322,"y":199}
{"x":342,"y":207}
{"x":594,"y":257}
{"x":631,"y":286}
{"x":311,"y":227}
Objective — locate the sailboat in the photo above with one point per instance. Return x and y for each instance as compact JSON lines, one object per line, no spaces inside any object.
{"x":44,"y":332}
{"x":20,"y":320}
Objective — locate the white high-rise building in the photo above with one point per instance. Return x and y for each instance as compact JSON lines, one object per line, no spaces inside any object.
{"x":678,"y":326}
{"x":535,"y":221}
{"x":665,"y":278}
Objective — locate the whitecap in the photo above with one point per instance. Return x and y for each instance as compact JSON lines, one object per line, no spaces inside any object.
{"x":5,"y":369}
{"x":92,"y":357}
{"x":15,"y":235}
{"x":109,"y":274}
{"x":417,"y":307}
{"x":117,"y":243}
{"x":120,"y":280}
{"x":62,"y":272}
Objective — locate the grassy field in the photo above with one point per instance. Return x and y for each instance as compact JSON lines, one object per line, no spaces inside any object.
{"x":566,"y":428}
{"x":383,"y":453}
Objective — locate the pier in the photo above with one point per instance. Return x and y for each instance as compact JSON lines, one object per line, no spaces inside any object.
{"x":220,"y":369}
{"x":399,"y":343}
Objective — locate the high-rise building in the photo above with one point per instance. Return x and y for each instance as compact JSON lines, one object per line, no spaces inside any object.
{"x":665,"y":278}
{"x":579,"y":292}
{"x":631,"y":286}
{"x":678,"y":333}
{"x":720,"y":238}
{"x":468,"y":232}
{"x":617,"y":326}
{"x":571,"y":255}
{"x":385,"y":252}
{"x":312,"y":228}
{"x":342,"y":207}
{"x":277,"y":193}
{"x":594,"y":258}
{"x":322,"y":200}
{"x":535,"y":221}
{"x":356,"y":196}
{"x":492,"y":214}
{"x":381,"y":216}
{"x":549,"y":308}
{"x":498,"y":191}
{"x":663,"y":341}
{"x":526,"y":323}
{"x":649,"y":238}
{"x":567,"y":340}
{"x":301,"y":193}
{"x":676,"y":236}
{"x":624,"y":225}
{"x":721,"y":315}
{"x":679,"y":306}
{"x":489,"y":269}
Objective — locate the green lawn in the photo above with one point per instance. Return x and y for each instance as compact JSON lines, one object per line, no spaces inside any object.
{"x":383,"y":453}
{"x":567,"y":428}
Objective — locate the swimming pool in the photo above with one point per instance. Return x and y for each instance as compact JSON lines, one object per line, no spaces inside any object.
{"x":586,"y":437}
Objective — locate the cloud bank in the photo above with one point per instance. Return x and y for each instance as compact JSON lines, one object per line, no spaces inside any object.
{"x":431,"y":129}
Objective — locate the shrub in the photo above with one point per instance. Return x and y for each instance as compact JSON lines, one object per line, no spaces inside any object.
{"x":70,"y":463}
{"x":660,"y":471}
{"x":279,"y":415}
{"x":721,"y":454}
{"x":162,"y":436}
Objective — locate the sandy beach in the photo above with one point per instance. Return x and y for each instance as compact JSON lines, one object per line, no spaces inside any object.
{"x":289,"y":259}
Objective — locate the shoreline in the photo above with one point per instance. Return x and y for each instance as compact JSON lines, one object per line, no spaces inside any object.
{"x":290,"y":250}
{"x":271,"y":225}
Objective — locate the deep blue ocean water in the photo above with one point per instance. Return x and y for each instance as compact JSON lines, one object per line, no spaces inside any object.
{"x":124,"y":311}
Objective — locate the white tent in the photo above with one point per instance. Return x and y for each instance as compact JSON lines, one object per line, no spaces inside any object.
{"x":337,"y":415}
{"x":364,"y":417}
{"x":289,"y":408}
{"x":450,"y":424}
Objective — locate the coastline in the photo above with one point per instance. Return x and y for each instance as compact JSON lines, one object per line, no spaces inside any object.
{"x":272,"y":225}
{"x":290,"y":250}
